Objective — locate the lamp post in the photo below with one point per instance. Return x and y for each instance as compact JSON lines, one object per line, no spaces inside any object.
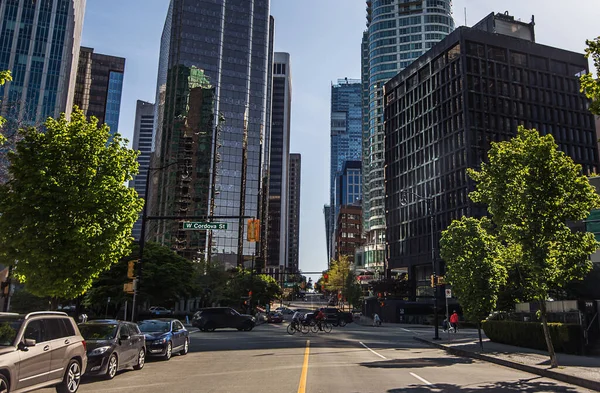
{"x":142,"y":241}
{"x":428,"y":200}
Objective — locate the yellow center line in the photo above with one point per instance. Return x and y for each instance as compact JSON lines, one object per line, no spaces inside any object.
{"x":302,"y":386}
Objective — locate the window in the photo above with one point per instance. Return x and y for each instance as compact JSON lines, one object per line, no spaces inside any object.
{"x":35,"y":331}
{"x":55,"y":328}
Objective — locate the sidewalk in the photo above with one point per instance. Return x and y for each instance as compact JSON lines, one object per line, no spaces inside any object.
{"x":577,"y":370}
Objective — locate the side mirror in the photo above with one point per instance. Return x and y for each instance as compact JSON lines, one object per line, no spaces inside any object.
{"x":26,"y":343}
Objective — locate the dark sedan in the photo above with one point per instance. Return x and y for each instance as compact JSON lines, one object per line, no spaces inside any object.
{"x":275,"y":317}
{"x":112,"y":346}
{"x":165,"y":336}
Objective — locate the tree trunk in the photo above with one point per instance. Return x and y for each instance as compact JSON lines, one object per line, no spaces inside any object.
{"x":553,"y":361}
{"x":54,"y":304}
{"x":480,"y":339}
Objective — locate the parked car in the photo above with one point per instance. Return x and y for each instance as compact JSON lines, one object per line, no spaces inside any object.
{"x":275,"y":317}
{"x":209,"y":319}
{"x":337,"y":317}
{"x":112,"y":346}
{"x":31,"y":343}
{"x":165,"y":336}
{"x":160,"y":311}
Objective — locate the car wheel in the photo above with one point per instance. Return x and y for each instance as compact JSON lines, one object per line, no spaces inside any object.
{"x":111,"y":368}
{"x":72,"y":378}
{"x":141,"y":360}
{"x":342,"y":323}
{"x":186,"y":347}
{"x":209,"y":327}
{"x":335,"y":324}
{"x":248,"y":326}
{"x":168,"y":351}
{"x":3,"y":384}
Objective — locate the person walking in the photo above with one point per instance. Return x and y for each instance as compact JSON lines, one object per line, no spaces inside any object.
{"x":376,"y":320}
{"x":454,"y":321}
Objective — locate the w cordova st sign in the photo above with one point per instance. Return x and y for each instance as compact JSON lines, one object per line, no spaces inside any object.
{"x":203,"y":226}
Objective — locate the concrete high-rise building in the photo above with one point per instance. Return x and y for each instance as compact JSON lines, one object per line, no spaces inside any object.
{"x":211,"y":117}
{"x":346,"y":138}
{"x":443,"y":112}
{"x":397,"y":34}
{"x":328,"y":231}
{"x":99,"y":86}
{"x":39,"y":43}
{"x":294,"y":213}
{"x":142,"y":141}
{"x":281,"y":110}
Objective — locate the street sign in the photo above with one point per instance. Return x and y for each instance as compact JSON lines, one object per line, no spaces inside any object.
{"x":448,"y":293}
{"x":203,"y":226}
{"x":128,"y":287}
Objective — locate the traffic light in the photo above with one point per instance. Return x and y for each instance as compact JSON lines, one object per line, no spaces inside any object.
{"x":253,"y":230}
{"x":441,"y":280}
{"x":131,"y":269}
{"x":249,"y":293}
{"x":432,"y":281}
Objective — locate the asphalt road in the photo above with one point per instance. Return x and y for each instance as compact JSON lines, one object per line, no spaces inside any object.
{"x":351,"y":359}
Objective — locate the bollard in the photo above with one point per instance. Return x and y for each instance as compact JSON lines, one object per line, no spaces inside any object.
{"x":187,"y":320}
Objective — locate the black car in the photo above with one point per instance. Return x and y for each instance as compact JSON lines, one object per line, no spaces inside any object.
{"x":112,"y":346}
{"x":209,"y":319}
{"x":165,"y":336}
{"x":337,"y":317}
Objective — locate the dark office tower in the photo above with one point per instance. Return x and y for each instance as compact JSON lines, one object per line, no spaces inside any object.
{"x":348,"y":231}
{"x":442,"y":113}
{"x":99,"y":86}
{"x":398,"y":33}
{"x":40,"y":45}
{"x":346,"y":137}
{"x":294,"y":213}
{"x":142,"y":142}
{"x":277,"y":235}
{"x":328,"y":231}
{"x":210,"y":121}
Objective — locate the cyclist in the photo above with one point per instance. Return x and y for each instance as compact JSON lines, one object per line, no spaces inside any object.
{"x":319,"y":317}
{"x":296,"y":319}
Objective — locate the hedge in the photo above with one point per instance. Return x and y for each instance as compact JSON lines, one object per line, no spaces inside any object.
{"x":566,"y":337}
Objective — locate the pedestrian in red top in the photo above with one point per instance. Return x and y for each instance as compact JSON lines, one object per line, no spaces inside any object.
{"x":454,"y":320}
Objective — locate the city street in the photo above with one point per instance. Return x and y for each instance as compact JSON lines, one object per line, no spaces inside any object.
{"x":351,"y":359}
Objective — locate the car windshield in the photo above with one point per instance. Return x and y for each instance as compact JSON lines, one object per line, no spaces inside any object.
{"x":8,"y":330}
{"x":155,"y":326}
{"x":94,"y":331}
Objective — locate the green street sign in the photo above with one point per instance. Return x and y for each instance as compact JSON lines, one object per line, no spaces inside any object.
{"x":203,"y":226}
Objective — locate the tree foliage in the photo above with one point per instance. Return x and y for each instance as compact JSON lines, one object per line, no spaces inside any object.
{"x":4,"y":77}
{"x":590,"y":86}
{"x":264,"y":288}
{"x":66,"y":214}
{"x":532,"y":190}
{"x":471,"y":252}
{"x":341,"y":278}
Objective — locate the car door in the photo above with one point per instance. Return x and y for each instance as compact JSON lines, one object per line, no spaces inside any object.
{"x":137,"y":341}
{"x":126,"y":351}
{"x":59,"y":342}
{"x":177,"y":330}
{"x":34,"y":361}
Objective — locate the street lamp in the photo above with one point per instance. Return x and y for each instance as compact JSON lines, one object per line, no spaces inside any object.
{"x":142,"y":241}
{"x":429,"y":201}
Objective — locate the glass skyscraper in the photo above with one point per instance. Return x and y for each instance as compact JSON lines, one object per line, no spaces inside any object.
{"x":211,"y":165}
{"x":39,"y":44}
{"x":99,"y":86}
{"x":346,"y":139}
{"x":397,"y":34}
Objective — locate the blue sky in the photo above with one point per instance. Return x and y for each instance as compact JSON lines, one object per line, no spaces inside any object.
{"x":323,"y":38}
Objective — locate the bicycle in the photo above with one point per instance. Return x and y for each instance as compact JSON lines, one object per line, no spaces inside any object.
{"x":294,"y":327}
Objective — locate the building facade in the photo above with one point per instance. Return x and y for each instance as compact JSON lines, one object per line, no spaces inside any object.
{"x":349,"y":185}
{"x":397,"y":34}
{"x":349,"y":231}
{"x":346,"y":136}
{"x":99,"y":86}
{"x":293,"y":231}
{"x":215,"y":52}
{"x":39,"y":43}
{"x":279,"y":157}
{"x":328,"y":232}
{"x":142,"y":142}
{"x":442,"y":113}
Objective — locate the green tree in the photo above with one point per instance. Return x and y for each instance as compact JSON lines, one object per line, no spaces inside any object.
{"x":4,"y":77}
{"x":590,"y":86}
{"x":211,"y":282}
{"x":167,"y":277}
{"x":66,"y":214}
{"x":342,"y":278}
{"x":264,"y":288}
{"x":532,"y":190}
{"x":471,"y":252}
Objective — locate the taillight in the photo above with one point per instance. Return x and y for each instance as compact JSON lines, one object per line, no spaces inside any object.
{"x":84,"y":345}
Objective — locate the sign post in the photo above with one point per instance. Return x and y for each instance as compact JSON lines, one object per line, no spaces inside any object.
{"x":448,"y":296}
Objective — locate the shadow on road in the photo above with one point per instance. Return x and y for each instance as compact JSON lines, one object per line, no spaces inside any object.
{"x":521,"y":386}
{"x":417,"y":362}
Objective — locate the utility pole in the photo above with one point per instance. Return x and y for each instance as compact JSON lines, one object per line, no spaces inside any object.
{"x":243,"y":191}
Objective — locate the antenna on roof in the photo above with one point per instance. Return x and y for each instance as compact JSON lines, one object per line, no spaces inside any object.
{"x":466,"y":16}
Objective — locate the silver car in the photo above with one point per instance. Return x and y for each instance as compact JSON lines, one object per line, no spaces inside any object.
{"x":38,"y":350}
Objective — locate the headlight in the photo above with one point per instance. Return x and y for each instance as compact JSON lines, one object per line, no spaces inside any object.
{"x":253,"y":319}
{"x":161,"y":340}
{"x":98,"y":351}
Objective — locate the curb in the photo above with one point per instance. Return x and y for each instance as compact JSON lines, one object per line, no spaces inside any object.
{"x":585,"y":383}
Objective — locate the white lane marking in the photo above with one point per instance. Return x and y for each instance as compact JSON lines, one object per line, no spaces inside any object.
{"x":426,"y":382}
{"x":381,"y":356}
{"x":406,"y":330}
